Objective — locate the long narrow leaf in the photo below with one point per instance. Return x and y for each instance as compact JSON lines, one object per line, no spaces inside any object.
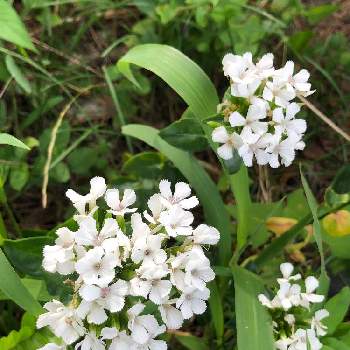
{"x":206,"y":190}
{"x":12,"y":286}
{"x":254,"y":325}
{"x":196,"y":89}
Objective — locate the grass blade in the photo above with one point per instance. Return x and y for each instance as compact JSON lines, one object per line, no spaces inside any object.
{"x":254,"y":325}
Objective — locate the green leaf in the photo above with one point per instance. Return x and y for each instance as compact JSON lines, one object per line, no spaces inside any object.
{"x":254,"y":324}
{"x":7,"y":139}
{"x":177,"y":70}
{"x":318,"y":13}
{"x":299,"y":41}
{"x":25,"y":254}
{"x":217,"y":312}
{"x":191,"y":342}
{"x":240,"y":187}
{"x":186,"y":134}
{"x":145,"y":165}
{"x":11,"y":285}
{"x":335,"y":344}
{"x":19,"y":176}
{"x":17,"y":74}
{"x":338,"y":307}
{"x":341,"y":183}
{"x":12,"y":28}
{"x":316,"y":224}
{"x":206,"y":190}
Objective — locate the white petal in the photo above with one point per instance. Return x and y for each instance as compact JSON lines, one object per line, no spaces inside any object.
{"x":219,"y":135}
{"x":236,"y":119}
{"x":98,"y":186}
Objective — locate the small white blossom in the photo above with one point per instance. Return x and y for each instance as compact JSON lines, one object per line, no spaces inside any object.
{"x":180,"y":197}
{"x":147,"y":248}
{"x":97,"y":267}
{"x":90,"y":342}
{"x":86,"y":204}
{"x":63,"y":321}
{"x":120,"y":207}
{"x":287,"y":270}
{"x":205,"y":234}
{"x":119,"y":339}
{"x":316,"y":322}
{"x":192,"y":302}
{"x":177,"y":222}
{"x":311,"y":284}
{"x":287,"y":123}
{"x":230,"y":142}
{"x":252,"y":121}
{"x":171,"y":316}
{"x":156,"y":206}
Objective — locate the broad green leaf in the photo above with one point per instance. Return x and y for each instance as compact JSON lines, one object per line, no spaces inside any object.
{"x":335,"y":344}
{"x":191,"y":342}
{"x":17,"y":74}
{"x":206,"y":190}
{"x":7,"y":139}
{"x":12,"y":28}
{"x":254,"y":324}
{"x":217,"y":312}
{"x":186,"y":134}
{"x":11,"y":285}
{"x":25,"y":254}
{"x":338,"y":307}
{"x":177,"y":70}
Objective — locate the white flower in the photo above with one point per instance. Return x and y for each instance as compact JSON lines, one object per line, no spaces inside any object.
{"x":240,"y":69}
{"x":147,"y":248}
{"x":289,"y":295}
{"x":264,"y":67}
{"x":205,"y":234}
{"x":316,"y":322}
{"x":290,"y":319}
{"x":311,"y":284}
{"x":302,"y":338}
{"x":284,"y":149}
{"x":171,"y":316}
{"x":198,"y":273}
{"x":151,"y":271}
{"x":299,"y":81}
{"x":156,"y":290}
{"x":283,"y":343}
{"x":245,"y":90}
{"x":90,"y":342}
{"x":287,"y":123}
{"x":119,"y":339}
{"x":86,"y":204}
{"x":142,"y":327}
{"x":229,"y":141}
{"x":154,"y":344}
{"x":120,"y":207}
{"x":253,"y":145}
{"x":62,"y":320}
{"x":97,"y":299}
{"x":192,"y":301}
{"x":156,"y":206}
{"x":251,"y":121}
{"x":177,"y":222}
{"x":87,"y":235}
{"x":180,"y":197}
{"x":60,"y":257}
{"x":139,"y":228}
{"x":97,"y":267}
{"x":53,"y":346}
{"x":279,"y":92}
{"x":287,"y":270}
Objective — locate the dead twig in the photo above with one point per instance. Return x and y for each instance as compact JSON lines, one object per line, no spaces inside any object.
{"x":314,"y":109}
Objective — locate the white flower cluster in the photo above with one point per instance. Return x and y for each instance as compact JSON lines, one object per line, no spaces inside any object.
{"x":118,"y":267}
{"x":260,"y":115}
{"x":290,"y":311}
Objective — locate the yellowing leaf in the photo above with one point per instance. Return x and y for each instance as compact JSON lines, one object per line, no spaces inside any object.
{"x":337,"y":224}
{"x":279,"y":225}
